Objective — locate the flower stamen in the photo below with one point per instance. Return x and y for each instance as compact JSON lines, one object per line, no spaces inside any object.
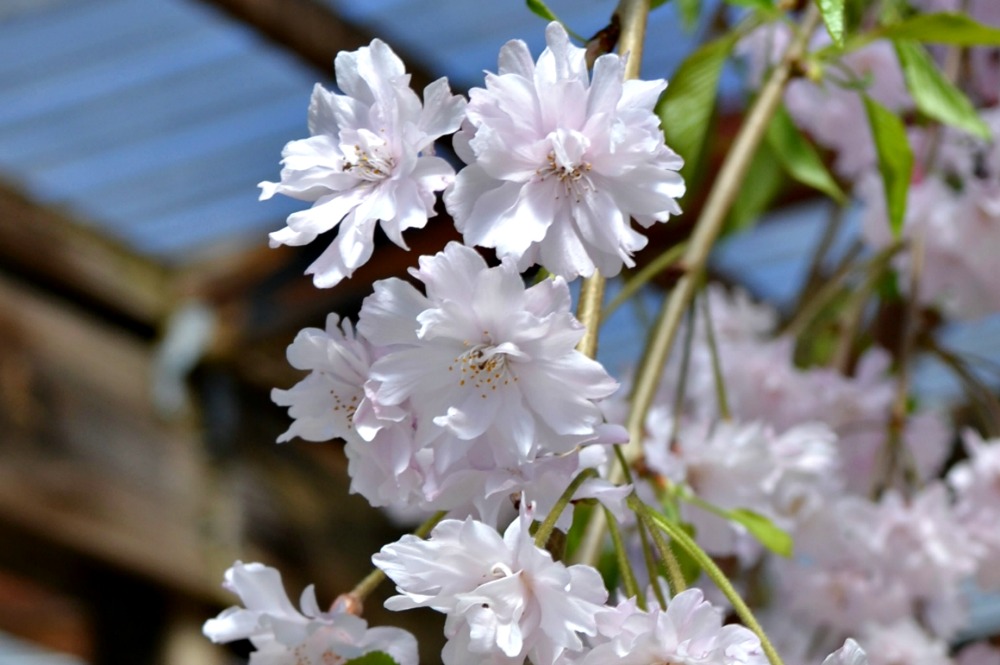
{"x":370,"y":166}
{"x":573,"y":177}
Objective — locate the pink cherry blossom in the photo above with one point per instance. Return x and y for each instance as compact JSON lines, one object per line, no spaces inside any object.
{"x":976,"y":483}
{"x":849,"y":654}
{"x":830,"y":109}
{"x":505,"y":599}
{"x":559,"y":162}
{"x":689,"y":630}
{"x":485,"y":358}
{"x":369,"y":158}
{"x":282,"y":635}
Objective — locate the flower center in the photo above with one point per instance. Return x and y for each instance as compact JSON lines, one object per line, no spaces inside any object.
{"x":484,"y":367}
{"x":345,"y":407}
{"x":572,"y":176}
{"x":370,"y":164}
{"x":567,"y":162}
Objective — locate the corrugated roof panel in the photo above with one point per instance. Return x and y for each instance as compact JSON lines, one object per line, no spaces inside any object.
{"x":152,"y":107}
{"x":76,"y":177}
{"x":144,"y":116}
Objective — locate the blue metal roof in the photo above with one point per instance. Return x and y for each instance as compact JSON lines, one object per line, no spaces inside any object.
{"x":151,"y":120}
{"x":154,"y":120}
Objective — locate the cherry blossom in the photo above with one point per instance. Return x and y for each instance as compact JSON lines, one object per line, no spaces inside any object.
{"x":903,"y":642}
{"x":979,"y":653}
{"x":559,"y":162}
{"x":369,"y":158}
{"x":849,"y":654}
{"x":976,"y":483}
{"x":485,"y":358}
{"x":731,"y":465}
{"x":501,"y":595}
{"x":860,"y":562}
{"x":323,"y":405}
{"x":283,"y":635}
{"x":830,"y":109}
{"x":955,"y":208}
{"x":689,"y":630}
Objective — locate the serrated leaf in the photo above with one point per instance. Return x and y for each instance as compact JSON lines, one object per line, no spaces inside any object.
{"x":935,"y":95}
{"x":373,"y":658}
{"x":686,"y":108}
{"x":895,"y":159}
{"x":769,"y":534}
{"x":832,"y":12}
{"x":798,"y":156}
{"x":541,"y":9}
{"x":944,"y":28}
{"x":759,"y":187}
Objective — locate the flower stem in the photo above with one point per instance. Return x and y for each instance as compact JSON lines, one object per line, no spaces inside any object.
{"x":675,"y":578}
{"x":895,"y":452}
{"x":632,"y":17}
{"x":711,"y":569}
{"x":651,"y":570}
{"x":546,"y":527}
{"x":588,"y":311}
{"x":624,"y":563}
{"x":980,"y":394}
{"x":641,"y":278}
{"x":713,"y":347}
{"x":707,"y":228}
{"x":374,"y":578}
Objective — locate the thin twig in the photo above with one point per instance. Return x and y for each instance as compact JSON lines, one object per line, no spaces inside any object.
{"x":706,"y":230}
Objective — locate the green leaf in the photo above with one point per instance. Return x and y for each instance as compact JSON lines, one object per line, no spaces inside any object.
{"x":833,"y":17}
{"x":541,"y":9}
{"x":944,"y":28}
{"x":373,"y":658}
{"x":935,"y":95}
{"x":764,"y":5}
{"x":689,"y":10}
{"x":895,"y":159}
{"x":764,"y":530}
{"x":761,"y":184}
{"x":686,"y":108}
{"x":798,"y":156}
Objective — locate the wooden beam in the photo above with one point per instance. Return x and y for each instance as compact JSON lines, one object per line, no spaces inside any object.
{"x":48,"y":246}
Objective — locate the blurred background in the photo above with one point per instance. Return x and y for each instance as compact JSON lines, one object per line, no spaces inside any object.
{"x":143,"y":320}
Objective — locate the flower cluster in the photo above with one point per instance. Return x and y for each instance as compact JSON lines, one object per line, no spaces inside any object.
{"x":457,"y":397}
{"x":461,"y":390}
{"x":283,"y":635}
{"x":558,"y":164}
{"x":953,"y":206}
